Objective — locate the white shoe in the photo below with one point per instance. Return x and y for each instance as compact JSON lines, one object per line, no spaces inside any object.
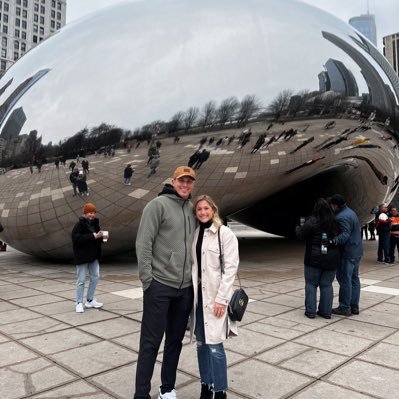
{"x":94,"y":304}
{"x":79,"y":307}
{"x":168,"y":395}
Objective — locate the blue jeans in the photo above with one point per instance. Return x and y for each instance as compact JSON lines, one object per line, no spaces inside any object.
{"x":315,"y":277}
{"x":383,"y":246}
{"x":349,"y":283}
{"x":94,"y":271}
{"x":212,"y":360}
{"x":393,"y":244}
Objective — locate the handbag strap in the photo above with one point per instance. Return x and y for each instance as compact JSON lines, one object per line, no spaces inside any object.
{"x":221,"y":258}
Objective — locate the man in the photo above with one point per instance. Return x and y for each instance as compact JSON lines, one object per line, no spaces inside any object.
{"x":163,"y":248}
{"x":383,"y":227}
{"x":350,"y":241}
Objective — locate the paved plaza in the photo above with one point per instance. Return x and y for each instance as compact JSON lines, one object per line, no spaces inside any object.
{"x":49,"y":351}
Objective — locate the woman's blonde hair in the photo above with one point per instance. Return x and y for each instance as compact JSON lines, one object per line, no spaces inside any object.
{"x":216,"y":218}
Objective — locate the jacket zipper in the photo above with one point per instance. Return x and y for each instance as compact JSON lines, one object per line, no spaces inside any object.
{"x":185,"y":244}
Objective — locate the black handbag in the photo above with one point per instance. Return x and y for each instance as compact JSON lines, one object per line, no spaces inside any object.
{"x":239,"y":301}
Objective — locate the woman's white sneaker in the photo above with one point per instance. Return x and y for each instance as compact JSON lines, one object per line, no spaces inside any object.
{"x":94,"y":304}
{"x":79,"y":308}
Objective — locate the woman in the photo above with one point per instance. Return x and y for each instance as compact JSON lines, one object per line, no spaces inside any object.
{"x":87,"y":239}
{"x":212,"y":293}
{"x":321,"y":259}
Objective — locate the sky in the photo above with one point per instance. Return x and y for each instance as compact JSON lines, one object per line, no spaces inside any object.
{"x":385,"y":11}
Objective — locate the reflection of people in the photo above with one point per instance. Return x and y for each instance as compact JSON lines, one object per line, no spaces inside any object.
{"x":154,"y":163}
{"x":212,"y":292}
{"x":201,"y":158}
{"x":82,"y":184}
{"x":3,"y":246}
{"x":320,"y":263}
{"x":73,"y":179}
{"x":127,"y":174}
{"x":351,"y":245}
{"x":163,"y":248}
{"x":87,"y":240}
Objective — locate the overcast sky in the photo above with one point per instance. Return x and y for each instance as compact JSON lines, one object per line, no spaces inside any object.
{"x":385,"y":11}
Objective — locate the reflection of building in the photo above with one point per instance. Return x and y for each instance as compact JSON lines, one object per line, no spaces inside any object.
{"x":14,"y":124}
{"x":16,"y":146}
{"x":381,"y":61}
{"x":391,"y":50}
{"x":338,"y":78}
{"x":18,"y":93}
{"x":25,"y":23}
{"x":365,"y":24}
{"x":2,"y":148}
{"x":380,"y":94}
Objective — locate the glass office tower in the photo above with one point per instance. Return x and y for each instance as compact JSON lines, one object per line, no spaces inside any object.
{"x":365,"y":24}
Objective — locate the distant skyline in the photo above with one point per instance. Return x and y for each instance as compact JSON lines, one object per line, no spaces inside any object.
{"x":385,"y":11}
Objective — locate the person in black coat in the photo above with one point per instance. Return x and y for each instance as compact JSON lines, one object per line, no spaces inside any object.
{"x":321,"y":259}
{"x":127,"y":174}
{"x":87,"y":239}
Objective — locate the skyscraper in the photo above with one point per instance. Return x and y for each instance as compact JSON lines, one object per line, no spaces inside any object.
{"x":391,"y":50}
{"x":24,"y":24}
{"x":365,"y":24}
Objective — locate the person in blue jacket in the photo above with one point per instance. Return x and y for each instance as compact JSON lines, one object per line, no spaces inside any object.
{"x":350,"y":241}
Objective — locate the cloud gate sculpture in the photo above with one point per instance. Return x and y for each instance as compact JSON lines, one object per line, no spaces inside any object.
{"x":288,"y":102}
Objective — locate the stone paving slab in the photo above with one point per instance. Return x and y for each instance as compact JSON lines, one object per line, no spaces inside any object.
{"x":49,"y":351}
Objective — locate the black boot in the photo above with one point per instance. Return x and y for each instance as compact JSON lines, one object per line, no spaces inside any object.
{"x":206,"y":392}
{"x":220,"y":395}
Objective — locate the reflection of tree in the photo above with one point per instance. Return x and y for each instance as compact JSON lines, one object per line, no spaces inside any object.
{"x":226,"y":110}
{"x":189,"y":117}
{"x":87,"y":141}
{"x":174,"y":124}
{"x":248,"y":107}
{"x":208,"y":115}
{"x":280,"y":103}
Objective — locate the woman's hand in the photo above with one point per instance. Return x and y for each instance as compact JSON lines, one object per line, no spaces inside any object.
{"x":98,"y":235}
{"x":219,"y":309}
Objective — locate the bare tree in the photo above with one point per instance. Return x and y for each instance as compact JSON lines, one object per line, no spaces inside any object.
{"x":175,"y":123}
{"x":227,"y":110}
{"x":208,"y":114}
{"x":280,"y":103}
{"x":189,"y":118}
{"x":248,"y":107}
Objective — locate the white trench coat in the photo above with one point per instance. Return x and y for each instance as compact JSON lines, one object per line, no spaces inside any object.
{"x":215,"y":286}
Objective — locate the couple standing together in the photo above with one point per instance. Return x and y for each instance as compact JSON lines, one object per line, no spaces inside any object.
{"x":333,"y":248}
{"x":179,"y":267}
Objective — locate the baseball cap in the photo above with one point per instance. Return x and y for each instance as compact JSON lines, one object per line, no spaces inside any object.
{"x":184,"y":171}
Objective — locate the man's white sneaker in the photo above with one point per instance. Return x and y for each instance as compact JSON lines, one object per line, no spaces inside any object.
{"x":79,"y":308}
{"x":94,"y":304}
{"x":168,"y":395}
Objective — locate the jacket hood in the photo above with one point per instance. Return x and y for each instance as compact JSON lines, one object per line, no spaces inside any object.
{"x":168,"y":189}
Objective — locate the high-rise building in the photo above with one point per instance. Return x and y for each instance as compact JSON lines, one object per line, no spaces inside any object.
{"x":365,"y":24}
{"x":24,"y":24}
{"x":391,"y":50}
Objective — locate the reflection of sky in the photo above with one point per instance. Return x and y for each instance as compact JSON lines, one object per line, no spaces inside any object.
{"x":130,"y":65}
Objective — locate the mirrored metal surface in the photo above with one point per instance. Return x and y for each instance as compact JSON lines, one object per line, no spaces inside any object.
{"x":320,"y":102}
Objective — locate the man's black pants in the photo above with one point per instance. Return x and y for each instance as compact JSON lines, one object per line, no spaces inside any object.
{"x":165,"y":310}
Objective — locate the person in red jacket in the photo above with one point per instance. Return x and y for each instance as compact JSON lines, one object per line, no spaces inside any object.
{"x":394,"y":236}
